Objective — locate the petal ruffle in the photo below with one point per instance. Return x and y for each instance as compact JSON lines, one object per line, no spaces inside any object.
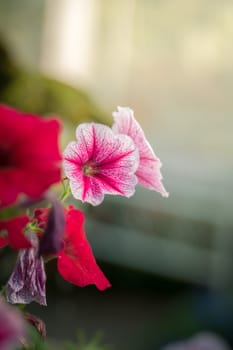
{"x":27,"y":281}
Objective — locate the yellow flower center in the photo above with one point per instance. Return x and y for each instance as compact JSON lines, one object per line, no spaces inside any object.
{"x":89,"y":168}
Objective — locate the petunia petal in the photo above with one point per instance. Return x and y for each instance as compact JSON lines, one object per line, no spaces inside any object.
{"x":76,"y":263}
{"x":148,"y":172}
{"x":27,"y":166}
{"x":14,"y":229}
{"x":89,"y":190}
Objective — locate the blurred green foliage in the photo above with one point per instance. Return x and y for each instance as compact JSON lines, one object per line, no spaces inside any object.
{"x":32,"y":92}
{"x":84,"y":344}
{"x":37,"y":343}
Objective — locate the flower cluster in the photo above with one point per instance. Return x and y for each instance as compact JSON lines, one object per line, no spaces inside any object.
{"x":113,"y":160}
{"x":101,"y":161}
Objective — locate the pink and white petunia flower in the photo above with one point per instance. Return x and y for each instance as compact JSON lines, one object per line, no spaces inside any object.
{"x":100,"y":162}
{"x":148,"y":172}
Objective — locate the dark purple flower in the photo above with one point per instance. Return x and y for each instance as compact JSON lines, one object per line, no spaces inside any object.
{"x":12,"y":326}
{"x":27,"y":282}
{"x":51,"y":241}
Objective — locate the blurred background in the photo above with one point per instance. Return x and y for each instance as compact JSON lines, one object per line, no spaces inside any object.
{"x":169,"y":260}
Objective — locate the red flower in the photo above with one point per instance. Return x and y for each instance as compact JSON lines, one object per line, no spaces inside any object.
{"x":29,"y":154}
{"x":12,"y":233}
{"x":76,"y":262}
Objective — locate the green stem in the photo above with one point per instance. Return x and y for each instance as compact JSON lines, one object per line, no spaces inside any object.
{"x":66,"y":191}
